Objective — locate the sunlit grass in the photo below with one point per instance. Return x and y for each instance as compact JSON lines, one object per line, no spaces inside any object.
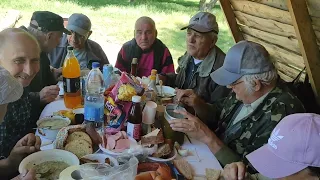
{"x":113,"y":20}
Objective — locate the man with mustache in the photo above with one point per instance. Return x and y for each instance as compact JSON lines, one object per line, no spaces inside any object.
{"x":202,"y":58}
{"x":20,"y":55}
{"x":147,"y":48}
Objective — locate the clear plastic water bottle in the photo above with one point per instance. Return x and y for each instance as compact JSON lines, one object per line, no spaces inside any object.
{"x":94,"y":99}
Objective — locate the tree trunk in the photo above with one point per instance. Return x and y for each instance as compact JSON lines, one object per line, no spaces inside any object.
{"x":202,"y":5}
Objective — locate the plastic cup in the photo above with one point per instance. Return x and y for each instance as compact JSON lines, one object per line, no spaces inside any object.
{"x":149,"y":112}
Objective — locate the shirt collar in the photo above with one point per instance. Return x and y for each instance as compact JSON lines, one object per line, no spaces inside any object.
{"x":257,"y":102}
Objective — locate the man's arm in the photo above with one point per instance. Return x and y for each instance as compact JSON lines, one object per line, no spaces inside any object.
{"x":167,"y":62}
{"x":121,"y":63}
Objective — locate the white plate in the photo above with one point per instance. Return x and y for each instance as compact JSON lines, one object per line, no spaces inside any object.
{"x":48,"y":155}
{"x":164,"y":160}
{"x":167,"y":90}
{"x":133,"y":143}
{"x":101,"y":158}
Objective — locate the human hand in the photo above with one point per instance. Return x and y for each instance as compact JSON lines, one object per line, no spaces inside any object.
{"x":28,"y":175}
{"x":25,"y":146}
{"x":56,"y":72}
{"x":192,"y":126}
{"x":234,"y":171}
{"x":187,"y":97}
{"x":49,"y":93}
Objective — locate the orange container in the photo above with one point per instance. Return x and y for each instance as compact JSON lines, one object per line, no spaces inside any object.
{"x":71,"y":80}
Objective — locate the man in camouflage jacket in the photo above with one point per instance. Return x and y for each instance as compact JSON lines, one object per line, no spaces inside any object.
{"x":243,"y":121}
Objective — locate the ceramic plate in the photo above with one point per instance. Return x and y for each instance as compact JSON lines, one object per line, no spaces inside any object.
{"x":174,"y":154}
{"x":133,"y":143}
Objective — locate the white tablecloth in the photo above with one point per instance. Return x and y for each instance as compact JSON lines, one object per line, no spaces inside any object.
{"x":200,"y":155}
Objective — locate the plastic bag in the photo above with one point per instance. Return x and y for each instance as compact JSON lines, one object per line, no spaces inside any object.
{"x":125,"y":89}
{"x":127,"y":169}
{"x":116,"y":114}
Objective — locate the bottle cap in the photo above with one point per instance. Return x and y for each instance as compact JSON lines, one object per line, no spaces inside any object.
{"x":95,"y":65}
{"x":107,"y":67}
{"x":134,"y":61}
{"x":69,"y":48}
{"x":154,"y":72}
{"x":152,"y":77}
{"x":136,"y":99}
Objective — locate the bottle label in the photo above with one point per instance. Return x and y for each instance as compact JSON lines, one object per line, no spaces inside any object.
{"x":93,"y":113}
{"x":134,"y":130}
{"x":71,"y":85}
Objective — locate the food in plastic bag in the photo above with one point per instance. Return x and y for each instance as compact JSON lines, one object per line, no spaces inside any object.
{"x":116,"y":114}
{"x":126,"y":88}
{"x":127,"y":169}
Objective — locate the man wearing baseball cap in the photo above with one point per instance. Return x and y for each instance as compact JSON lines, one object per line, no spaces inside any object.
{"x":47,"y":27}
{"x":85,"y":50}
{"x":292,"y":152}
{"x":201,"y":59}
{"x":244,"y":121}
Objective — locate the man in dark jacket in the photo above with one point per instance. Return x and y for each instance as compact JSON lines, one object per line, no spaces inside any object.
{"x":201,"y":59}
{"x":85,"y":50}
{"x":47,"y":28}
{"x":150,"y":52}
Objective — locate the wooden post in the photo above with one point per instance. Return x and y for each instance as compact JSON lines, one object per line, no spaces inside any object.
{"x":231,"y":19}
{"x":307,"y":41}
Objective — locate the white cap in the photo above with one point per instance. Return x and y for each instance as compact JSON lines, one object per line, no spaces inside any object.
{"x":136,"y":99}
{"x":11,"y":90}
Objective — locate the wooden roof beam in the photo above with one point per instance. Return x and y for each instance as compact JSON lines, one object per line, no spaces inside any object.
{"x":231,"y":19}
{"x":307,"y":40}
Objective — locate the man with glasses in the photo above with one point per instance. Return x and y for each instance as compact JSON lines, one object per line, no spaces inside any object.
{"x":244,"y":121}
{"x":85,"y":50}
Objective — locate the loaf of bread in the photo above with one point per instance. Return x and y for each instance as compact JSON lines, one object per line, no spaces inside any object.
{"x":78,"y":135}
{"x":79,"y":147}
{"x":184,"y":168}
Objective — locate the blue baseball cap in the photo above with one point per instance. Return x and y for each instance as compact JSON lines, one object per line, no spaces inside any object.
{"x":243,"y":58}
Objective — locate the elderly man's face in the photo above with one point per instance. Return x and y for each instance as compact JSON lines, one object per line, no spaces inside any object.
{"x":199,"y":44}
{"x":145,"y":35}
{"x":242,"y":92}
{"x":77,"y":41}
{"x":21,"y":57}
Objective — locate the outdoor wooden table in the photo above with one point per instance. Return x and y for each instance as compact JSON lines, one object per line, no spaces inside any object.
{"x":201,"y":158}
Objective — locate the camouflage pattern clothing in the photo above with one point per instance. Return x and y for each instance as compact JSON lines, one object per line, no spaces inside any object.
{"x":254,"y":130}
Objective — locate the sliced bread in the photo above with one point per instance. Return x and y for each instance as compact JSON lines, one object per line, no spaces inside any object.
{"x":184,"y":168}
{"x":79,"y":147}
{"x":78,"y":135}
{"x":213,"y":174}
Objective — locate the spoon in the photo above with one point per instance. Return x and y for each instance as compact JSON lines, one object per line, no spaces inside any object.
{"x":161,"y":83}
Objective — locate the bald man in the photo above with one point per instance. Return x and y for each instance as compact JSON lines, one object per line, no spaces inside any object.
{"x":150,"y":51}
{"x":20,"y":55}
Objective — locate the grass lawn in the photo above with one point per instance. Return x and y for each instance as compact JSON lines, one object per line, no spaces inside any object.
{"x":113,"y":20}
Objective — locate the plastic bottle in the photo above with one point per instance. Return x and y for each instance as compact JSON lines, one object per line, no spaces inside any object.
{"x":152,"y":84}
{"x":134,"y":128}
{"x":71,"y":80}
{"x":94,"y":99}
{"x":108,"y":76}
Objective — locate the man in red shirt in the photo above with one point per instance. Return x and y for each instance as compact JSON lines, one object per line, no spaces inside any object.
{"x":150,"y":51}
